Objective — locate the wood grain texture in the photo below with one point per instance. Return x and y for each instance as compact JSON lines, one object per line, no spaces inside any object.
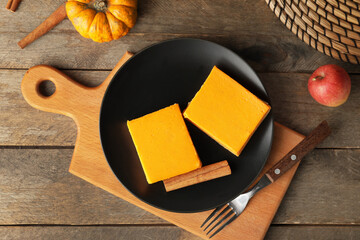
{"x":198,"y":17}
{"x":271,"y":47}
{"x":49,"y":23}
{"x":313,"y":232}
{"x":167,"y":16}
{"x":292,"y":105}
{"x":67,"y":50}
{"x":35,"y":188}
{"x":103,"y":233}
{"x":331,"y":179}
{"x":169,"y":232}
{"x":23,"y":125}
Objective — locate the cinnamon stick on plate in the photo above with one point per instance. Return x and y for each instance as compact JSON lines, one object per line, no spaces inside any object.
{"x":202,"y":174}
{"x":54,"y":19}
{"x":12,"y":5}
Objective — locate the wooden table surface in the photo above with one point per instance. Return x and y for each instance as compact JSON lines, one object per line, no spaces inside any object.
{"x":39,"y":199}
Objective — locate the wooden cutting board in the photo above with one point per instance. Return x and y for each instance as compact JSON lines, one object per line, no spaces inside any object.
{"x":88,"y":162}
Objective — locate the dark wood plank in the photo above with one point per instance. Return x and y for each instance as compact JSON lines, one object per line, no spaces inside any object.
{"x":67,"y":50}
{"x":24,"y":125}
{"x":165,"y":16}
{"x":295,"y":108}
{"x":325,"y":190}
{"x":292,"y":106}
{"x":252,"y":31}
{"x":313,"y":232}
{"x":104,"y":233}
{"x":169,"y":232}
{"x":37,"y":189}
{"x":200,"y":16}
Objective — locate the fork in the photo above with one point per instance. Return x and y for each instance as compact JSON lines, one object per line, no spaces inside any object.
{"x":231,"y":210}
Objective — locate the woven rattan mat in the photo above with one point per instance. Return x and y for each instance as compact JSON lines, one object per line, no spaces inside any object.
{"x":330,"y":26}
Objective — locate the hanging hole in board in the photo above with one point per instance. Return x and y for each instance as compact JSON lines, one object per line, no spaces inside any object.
{"x":46,"y":88}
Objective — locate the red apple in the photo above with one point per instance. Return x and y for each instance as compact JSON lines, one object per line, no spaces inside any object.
{"x":330,"y":85}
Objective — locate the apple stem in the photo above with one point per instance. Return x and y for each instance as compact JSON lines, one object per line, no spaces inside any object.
{"x":317,"y":78}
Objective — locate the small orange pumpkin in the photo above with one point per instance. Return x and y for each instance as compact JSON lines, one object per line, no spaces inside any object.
{"x":102,"y":20}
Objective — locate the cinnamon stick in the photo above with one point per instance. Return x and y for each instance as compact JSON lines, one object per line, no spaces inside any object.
{"x":8,"y":5}
{"x":54,"y":19}
{"x":12,"y":5}
{"x":202,"y":174}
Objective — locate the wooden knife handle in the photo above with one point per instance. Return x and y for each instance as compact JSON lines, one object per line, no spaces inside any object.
{"x":299,"y":151}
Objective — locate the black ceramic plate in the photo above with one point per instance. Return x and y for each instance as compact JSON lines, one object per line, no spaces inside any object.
{"x":167,"y":73}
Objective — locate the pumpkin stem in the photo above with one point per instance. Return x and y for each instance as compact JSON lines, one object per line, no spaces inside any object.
{"x":100,"y":5}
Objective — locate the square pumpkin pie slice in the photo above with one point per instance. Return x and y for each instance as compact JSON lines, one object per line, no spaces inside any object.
{"x":163,"y":144}
{"x":226,"y":111}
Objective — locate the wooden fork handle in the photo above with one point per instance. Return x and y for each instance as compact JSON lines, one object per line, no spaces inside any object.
{"x":299,"y":151}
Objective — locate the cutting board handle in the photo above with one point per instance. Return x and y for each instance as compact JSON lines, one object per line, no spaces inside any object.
{"x":62,"y":100}
{"x":69,"y":95}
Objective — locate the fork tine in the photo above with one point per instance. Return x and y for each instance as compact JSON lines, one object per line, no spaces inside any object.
{"x":223,"y":211}
{"x":211,"y":215}
{"x":220,"y":221}
{"x":224,"y":225}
